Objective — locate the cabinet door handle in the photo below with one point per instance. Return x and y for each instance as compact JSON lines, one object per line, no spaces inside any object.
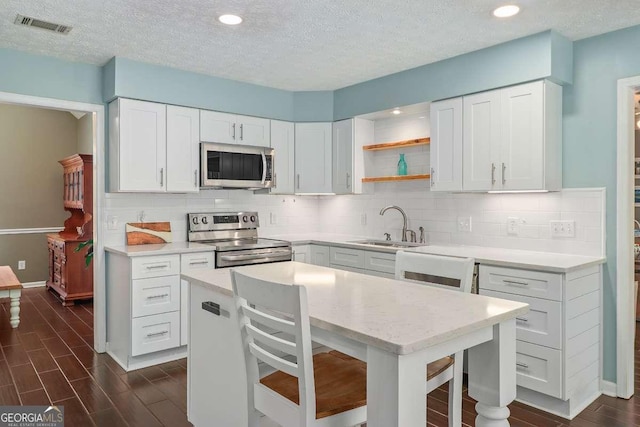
{"x":504,"y":179}
{"x":234,"y":130}
{"x":157,"y":334}
{"x":522,"y":319}
{"x":348,"y":183}
{"x":195,"y":178}
{"x":493,"y":173}
{"x":298,"y":181}
{"x":513,"y":282}
{"x":275,"y":180}
{"x":522,"y":365}
{"x":241,"y":131}
{"x":204,"y":261}
{"x":161,"y":177}
{"x":153,"y":267}
{"x":157,"y":296}
{"x":433,"y":174}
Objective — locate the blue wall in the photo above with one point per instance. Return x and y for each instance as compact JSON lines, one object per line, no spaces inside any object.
{"x":47,"y":77}
{"x":542,"y":55}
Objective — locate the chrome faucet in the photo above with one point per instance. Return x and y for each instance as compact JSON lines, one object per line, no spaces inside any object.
{"x":404,"y":219}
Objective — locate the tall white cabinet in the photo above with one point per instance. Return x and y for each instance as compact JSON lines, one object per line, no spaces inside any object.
{"x":446,"y":145}
{"x":313,"y":158}
{"x":153,"y":148}
{"x":349,"y":136}
{"x":283,"y":142}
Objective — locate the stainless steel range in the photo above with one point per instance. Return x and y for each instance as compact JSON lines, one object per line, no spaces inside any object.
{"x":235,"y":237}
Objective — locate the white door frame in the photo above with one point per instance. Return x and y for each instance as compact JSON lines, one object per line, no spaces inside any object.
{"x":99,"y":307}
{"x":625,"y":304}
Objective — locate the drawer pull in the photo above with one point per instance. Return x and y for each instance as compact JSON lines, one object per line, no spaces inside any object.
{"x":151,"y":267}
{"x":513,"y":282}
{"x":522,"y":319}
{"x":199,"y":262}
{"x":157,"y":296}
{"x":157,"y":334}
{"x":522,"y":365}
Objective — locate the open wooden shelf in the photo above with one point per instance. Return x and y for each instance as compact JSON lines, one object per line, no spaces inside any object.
{"x":395,"y":178}
{"x":397,"y":144}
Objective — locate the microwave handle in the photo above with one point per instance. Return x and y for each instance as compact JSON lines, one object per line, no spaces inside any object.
{"x":264,"y":167}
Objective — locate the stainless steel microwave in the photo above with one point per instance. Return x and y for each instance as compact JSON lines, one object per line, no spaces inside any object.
{"x":235,"y":166}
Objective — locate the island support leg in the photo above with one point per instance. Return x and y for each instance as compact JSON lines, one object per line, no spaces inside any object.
{"x":396,"y":389}
{"x":492,"y":376}
{"x":14,"y":309}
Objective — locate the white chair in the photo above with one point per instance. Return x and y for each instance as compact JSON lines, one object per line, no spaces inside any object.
{"x":449,"y":273}
{"x":328,"y":389}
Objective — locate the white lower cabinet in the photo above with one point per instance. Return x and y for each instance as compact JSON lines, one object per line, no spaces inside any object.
{"x":320,"y":255}
{"x":302,"y":254}
{"x":147,"y":306}
{"x":363,"y":261}
{"x":558,"y":341}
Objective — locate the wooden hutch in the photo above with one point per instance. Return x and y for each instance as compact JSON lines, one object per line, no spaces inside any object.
{"x":69,"y":276}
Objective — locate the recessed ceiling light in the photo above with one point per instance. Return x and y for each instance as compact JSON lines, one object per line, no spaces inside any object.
{"x":396,"y":111}
{"x":506,"y":11}
{"x":230,"y":19}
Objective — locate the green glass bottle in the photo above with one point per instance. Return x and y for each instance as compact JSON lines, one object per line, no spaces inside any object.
{"x":402,"y":165}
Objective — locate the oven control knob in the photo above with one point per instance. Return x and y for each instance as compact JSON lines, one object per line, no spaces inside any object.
{"x":204,"y":220}
{"x":195,"y":220}
{"x":253,"y":218}
{"x":244,"y":219}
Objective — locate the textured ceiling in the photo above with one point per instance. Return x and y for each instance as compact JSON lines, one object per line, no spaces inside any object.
{"x":296,"y":44}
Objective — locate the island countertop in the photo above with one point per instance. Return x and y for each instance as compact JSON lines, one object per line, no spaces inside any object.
{"x":396,"y":316}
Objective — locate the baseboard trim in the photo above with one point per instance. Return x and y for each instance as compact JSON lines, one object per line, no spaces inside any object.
{"x":609,"y":388}
{"x":34,"y":284}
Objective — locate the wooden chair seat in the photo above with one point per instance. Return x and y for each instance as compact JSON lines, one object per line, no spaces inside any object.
{"x":439,"y":366}
{"x":341,"y":383}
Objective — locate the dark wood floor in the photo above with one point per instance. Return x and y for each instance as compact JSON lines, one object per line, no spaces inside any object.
{"x":49,"y":359}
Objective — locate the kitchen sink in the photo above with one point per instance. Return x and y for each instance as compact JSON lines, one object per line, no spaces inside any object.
{"x":387,"y":243}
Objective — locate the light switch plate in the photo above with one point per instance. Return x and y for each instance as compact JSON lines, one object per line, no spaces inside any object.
{"x":273,"y":218}
{"x":363,"y":219}
{"x":22,"y":265}
{"x":512,"y":225}
{"x":564,"y":228}
{"x":112,"y":222}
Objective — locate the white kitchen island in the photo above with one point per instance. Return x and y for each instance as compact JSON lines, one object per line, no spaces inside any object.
{"x":396,"y":327}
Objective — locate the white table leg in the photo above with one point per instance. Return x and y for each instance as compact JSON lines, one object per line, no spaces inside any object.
{"x":15,"y":308}
{"x":492,"y":376}
{"x":396,"y":389}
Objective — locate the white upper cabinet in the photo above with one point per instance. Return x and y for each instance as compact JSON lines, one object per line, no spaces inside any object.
{"x":234,"y":129}
{"x":513,"y":138}
{"x":446,"y":145}
{"x":343,"y":141}
{"x":481,"y":146}
{"x":183,"y":143}
{"x":283,"y":141}
{"x":153,"y":147}
{"x":349,"y":136}
{"x":313,"y":158}
{"x":138,"y":146}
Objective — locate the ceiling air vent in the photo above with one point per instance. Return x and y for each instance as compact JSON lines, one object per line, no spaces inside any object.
{"x":37,"y":23}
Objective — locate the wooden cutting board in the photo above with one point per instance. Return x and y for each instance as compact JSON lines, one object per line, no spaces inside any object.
{"x":147,"y":233}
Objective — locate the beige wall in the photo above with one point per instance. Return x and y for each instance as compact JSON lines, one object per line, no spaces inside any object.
{"x":85,"y":134}
{"x":32,"y":140}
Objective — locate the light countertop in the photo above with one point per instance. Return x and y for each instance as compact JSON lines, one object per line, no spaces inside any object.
{"x":547,"y":261}
{"x":159,"y":249}
{"x":399,"y":317}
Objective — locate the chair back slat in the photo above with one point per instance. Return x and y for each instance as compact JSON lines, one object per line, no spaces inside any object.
{"x":269,"y":320}
{"x":445,"y":272}
{"x":274,"y":361}
{"x":271,"y":341}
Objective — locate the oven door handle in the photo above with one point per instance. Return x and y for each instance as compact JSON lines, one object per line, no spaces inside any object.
{"x":254,"y":256}
{"x":264,"y":167}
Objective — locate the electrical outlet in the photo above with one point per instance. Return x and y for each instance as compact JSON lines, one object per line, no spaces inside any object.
{"x":512,"y":225}
{"x":273,"y":218}
{"x":564,"y":228}
{"x":363,"y":219}
{"x":464,"y":224}
{"x":22,"y":265}
{"x":112,"y":222}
